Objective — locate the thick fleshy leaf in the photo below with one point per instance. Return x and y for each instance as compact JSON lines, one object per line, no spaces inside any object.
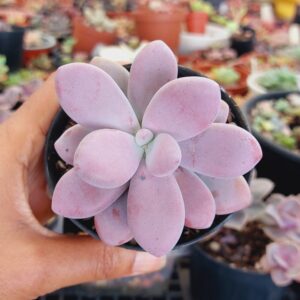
{"x":93,"y":99}
{"x":222,"y":151}
{"x":200,"y":207}
{"x":118,"y":73}
{"x":107,"y":158}
{"x":67,"y":144}
{"x":155,"y":211}
{"x":183,"y":107}
{"x":223,"y":113}
{"x":111,"y":224}
{"x":163,"y":156}
{"x":261,"y":188}
{"x":230,"y":195}
{"x":152,"y":68}
{"x":75,"y":199}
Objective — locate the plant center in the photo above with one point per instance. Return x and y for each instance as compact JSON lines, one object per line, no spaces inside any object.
{"x":143,"y":137}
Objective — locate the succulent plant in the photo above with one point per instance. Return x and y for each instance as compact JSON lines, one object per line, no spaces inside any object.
{"x":151,"y":164}
{"x":203,"y":6}
{"x":282,"y":261}
{"x":284,"y":222}
{"x":225,"y":75}
{"x":3,"y":69}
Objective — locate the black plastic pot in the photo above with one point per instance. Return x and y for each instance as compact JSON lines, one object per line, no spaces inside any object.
{"x":59,"y":125}
{"x":244,"y":46}
{"x":11,"y":45}
{"x":279,"y":164}
{"x":213,"y":280}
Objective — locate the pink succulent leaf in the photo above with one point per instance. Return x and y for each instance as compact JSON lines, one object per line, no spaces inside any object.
{"x":223,"y":113}
{"x":107,"y":158}
{"x":91,"y":98}
{"x":282,"y":261}
{"x":10,"y":97}
{"x":231,"y":195}
{"x":222,"y":151}
{"x":152,"y":68}
{"x":67,"y":144}
{"x":155,"y":211}
{"x":260,"y":189}
{"x":286,"y":213}
{"x":118,"y":73}
{"x":183,"y":107}
{"x":73,"y":198}
{"x":163,"y":155}
{"x":200,"y":207}
{"x":237,"y":221}
{"x":111,"y":224}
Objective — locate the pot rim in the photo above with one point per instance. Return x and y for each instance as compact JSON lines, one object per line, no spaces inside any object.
{"x":219,"y":220}
{"x":247,"y":108}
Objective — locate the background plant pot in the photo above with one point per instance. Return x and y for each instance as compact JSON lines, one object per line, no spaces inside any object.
{"x":87,"y":37}
{"x":165,"y":26}
{"x":53,"y":172}
{"x":49,"y":42}
{"x":243,"y":46}
{"x":214,"y":280}
{"x":11,"y":45}
{"x":279,"y":164}
{"x":197,"y":21}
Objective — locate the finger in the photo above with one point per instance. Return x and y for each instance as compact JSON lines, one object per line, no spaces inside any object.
{"x":73,"y":260}
{"x":29,"y":124}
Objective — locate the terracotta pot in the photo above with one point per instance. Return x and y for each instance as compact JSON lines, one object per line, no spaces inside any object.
{"x":165,"y":26}
{"x":196,"y":22}
{"x":88,"y":37}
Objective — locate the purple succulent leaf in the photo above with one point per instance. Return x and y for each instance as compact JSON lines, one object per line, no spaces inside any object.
{"x":10,"y":97}
{"x":91,"y":98}
{"x":200,"y":207}
{"x":152,"y":68}
{"x":222,"y":151}
{"x":260,"y":189}
{"x":74,"y":198}
{"x":118,"y":73}
{"x":163,"y":155}
{"x":183,"y":108}
{"x":155,"y":211}
{"x":231,"y":195}
{"x":107,"y":158}
{"x":68,"y":142}
{"x":223,"y":113}
{"x":111,"y":224}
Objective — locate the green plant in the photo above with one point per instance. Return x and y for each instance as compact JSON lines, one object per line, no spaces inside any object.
{"x":281,"y":79}
{"x":3,"y":68}
{"x":226,"y":75}
{"x":202,"y":6}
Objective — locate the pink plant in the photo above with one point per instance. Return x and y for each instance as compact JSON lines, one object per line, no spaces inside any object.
{"x":285,"y":218}
{"x":147,"y":166}
{"x":282,"y":261}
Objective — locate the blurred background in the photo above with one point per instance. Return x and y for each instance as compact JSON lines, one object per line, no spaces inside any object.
{"x":252,"y":49}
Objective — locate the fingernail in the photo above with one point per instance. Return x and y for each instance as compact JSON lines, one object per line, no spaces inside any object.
{"x":146,"y":263}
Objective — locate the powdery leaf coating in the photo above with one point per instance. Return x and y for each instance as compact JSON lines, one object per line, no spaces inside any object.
{"x":163,"y":155}
{"x":92,"y":98}
{"x":107,"y":158}
{"x":75,"y":199}
{"x":183,"y":107}
{"x":68,"y":142}
{"x":152,"y":68}
{"x":223,"y":113}
{"x":222,"y":151}
{"x":155,"y":211}
{"x":230,"y":195}
{"x":200,"y":207}
{"x":111,"y":224}
{"x":118,"y":73}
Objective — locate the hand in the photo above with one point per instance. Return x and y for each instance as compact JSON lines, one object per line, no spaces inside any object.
{"x":35,"y":261}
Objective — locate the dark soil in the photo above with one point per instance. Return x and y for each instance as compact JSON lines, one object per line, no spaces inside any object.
{"x":239,"y":249}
